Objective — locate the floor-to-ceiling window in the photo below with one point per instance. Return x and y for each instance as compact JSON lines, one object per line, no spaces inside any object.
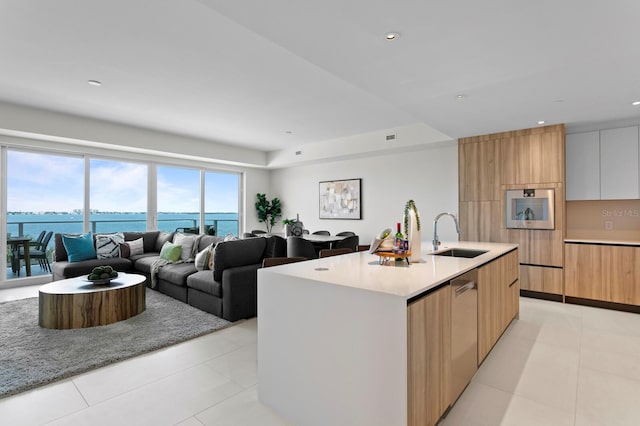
{"x":49,"y":192}
{"x":45,"y":193}
{"x":178,"y":199}
{"x":118,"y":196}
{"x":221,"y":200}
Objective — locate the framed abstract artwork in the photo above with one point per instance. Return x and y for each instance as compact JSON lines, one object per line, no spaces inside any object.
{"x":340,"y":199}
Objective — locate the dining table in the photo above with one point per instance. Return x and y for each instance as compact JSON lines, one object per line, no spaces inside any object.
{"x":15,"y":243}
{"x":318,"y":238}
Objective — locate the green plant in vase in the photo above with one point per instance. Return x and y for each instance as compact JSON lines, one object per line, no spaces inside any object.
{"x":268,"y":211}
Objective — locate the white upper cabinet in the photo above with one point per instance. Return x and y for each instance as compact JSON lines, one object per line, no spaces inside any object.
{"x":619,"y":164}
{"x":583,"y":166}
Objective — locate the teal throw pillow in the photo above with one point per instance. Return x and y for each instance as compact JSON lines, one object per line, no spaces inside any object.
{"x":79,"y":247}
{"x":171,"y":252}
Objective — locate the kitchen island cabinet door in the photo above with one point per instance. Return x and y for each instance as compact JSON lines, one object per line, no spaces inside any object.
{"x":496,"y":306}
{"x":429,"y":357}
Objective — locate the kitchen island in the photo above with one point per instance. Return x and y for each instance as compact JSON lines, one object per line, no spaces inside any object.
{"x":336,"y":342}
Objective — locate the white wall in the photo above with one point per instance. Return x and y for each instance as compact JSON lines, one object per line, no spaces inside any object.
{"x":428,"y":176}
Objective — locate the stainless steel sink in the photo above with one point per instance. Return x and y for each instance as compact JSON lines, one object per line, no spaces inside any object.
{"x":459,"y":252}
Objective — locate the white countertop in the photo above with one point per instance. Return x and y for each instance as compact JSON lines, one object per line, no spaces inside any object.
{"x":362,"y":270}
{"x":605,"y":242}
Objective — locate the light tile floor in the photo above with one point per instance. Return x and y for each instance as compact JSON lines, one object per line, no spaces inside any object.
{"x":556,"y":365}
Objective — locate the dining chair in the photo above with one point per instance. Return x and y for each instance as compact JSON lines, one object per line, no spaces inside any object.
{"x":322,"y":233}
{"x":39,"y":252}
{"x":275,"y":261}
{"x":345,"y":234}
{"x":299,"y":247}
{"x":334,"y":252}
{"x":38,"y":241}
{"x":349,"y":242}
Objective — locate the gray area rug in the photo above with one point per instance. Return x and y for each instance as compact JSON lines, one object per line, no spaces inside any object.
{"x":31,"y":356}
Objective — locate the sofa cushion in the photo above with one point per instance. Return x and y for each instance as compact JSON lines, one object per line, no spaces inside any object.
{"x":108,"y":245}
{"x":65,"y":269}
{"x":79,"y":248}
{"x":189,"y":245}
{"x":201,"y":261}
{"x":203,"y":281}
{"x":136,"y":247}
{"x":176,"y":273}
{"x":230,"y":254}
{"x":59,"y":252}
{"x":125,"y":250}
{"x":162,"y":238}
{"x":207,"y":240}
{"x":143,"y":262}
{"x":171,"y":252}
{"x":148,"y":237}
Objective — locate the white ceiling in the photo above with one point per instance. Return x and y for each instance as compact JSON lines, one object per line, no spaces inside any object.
{"x":247,"y":72}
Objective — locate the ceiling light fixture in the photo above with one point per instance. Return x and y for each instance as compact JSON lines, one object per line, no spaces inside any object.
{"x":541,"y":122}
{"x":461,"y":96}
{"x":636,"y":103}
{"x":94,"y":83}
{"x":392,"y":35}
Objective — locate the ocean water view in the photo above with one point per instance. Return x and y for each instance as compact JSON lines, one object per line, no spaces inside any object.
{"x":33,"y":224}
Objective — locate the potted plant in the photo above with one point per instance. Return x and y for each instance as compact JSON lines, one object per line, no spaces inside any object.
{"x":412,"y":229}
{"x":268,"y":211}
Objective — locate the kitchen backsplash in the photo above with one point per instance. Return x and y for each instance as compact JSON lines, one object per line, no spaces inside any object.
{"x":613,"y":220}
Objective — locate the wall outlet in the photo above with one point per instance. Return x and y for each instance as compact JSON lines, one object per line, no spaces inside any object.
{"x":608,"y":225}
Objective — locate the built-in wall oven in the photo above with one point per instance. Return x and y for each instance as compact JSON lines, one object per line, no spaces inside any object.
{"x":530,"y":208}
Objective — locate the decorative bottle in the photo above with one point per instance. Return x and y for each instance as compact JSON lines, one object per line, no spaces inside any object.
{"x":398,"y":241}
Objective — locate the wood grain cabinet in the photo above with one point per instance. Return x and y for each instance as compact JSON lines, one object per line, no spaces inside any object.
{"x":429,"y":357}
{"x":608,"y":273}
{"x":498,"y":300}
{"x":541,"y":279}
{"x":533,"y":157}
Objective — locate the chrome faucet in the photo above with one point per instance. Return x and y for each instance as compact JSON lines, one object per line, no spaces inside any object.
{"x":435,"y":241}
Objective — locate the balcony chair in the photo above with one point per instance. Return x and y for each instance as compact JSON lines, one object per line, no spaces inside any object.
{"x":38,"y":252}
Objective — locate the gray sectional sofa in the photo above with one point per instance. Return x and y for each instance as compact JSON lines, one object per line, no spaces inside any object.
{"x":228,"y":291}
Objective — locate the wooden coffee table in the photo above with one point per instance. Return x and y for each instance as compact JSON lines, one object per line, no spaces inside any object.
{"x":78,"y":303}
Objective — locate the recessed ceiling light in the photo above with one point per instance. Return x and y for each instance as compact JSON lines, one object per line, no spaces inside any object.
{"x":94,"y":83}
{"x":636,"y":103}
{"x":392,"y":35}
{"x":461,"y":96}
{"x":541,"y":122}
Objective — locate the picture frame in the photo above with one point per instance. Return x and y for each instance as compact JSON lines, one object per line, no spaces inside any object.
{"x":340,"y":199}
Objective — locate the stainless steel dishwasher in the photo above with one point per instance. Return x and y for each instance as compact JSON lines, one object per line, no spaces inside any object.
{"x":464,"y":331}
